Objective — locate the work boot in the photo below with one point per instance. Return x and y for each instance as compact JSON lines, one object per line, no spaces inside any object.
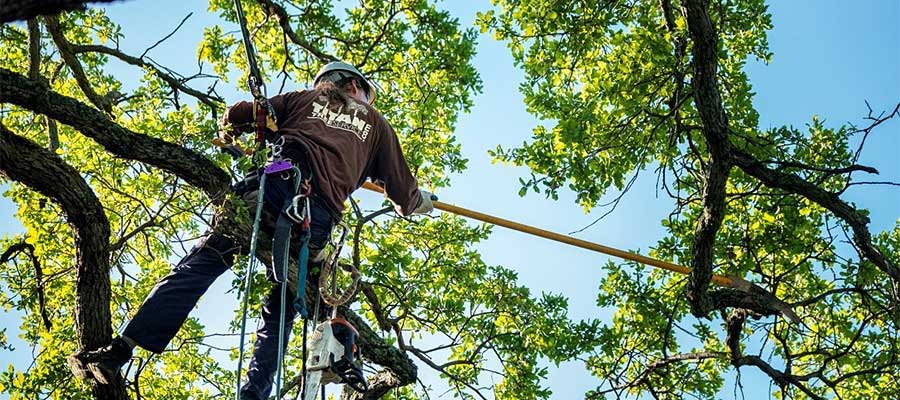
{"x":102,"y":364}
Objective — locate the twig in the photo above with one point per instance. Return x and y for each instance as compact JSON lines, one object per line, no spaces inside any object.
{"x":183,"y":20}
{"x":213,"y":102}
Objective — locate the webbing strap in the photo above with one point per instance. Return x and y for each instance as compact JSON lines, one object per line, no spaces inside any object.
{"x":281,"y":322}
{"x":302,"y":261}
{"x":281,"y":242}
{"x":283,"y":238}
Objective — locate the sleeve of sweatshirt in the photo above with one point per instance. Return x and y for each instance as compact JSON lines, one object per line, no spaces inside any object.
{"x":392,"y":171}
{"x":241,"y":116}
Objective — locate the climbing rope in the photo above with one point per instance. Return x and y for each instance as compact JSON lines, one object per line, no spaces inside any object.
{"x":248,"y":275}
{"x":264,"y":114}
{"x":329,"y":270}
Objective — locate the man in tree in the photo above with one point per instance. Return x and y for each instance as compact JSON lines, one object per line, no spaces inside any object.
{"x":331,"y":134}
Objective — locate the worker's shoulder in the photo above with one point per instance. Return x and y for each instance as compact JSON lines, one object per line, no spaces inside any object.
{"x":376,"y":114}
{"x":369,"y":112}
{"x":299,"y":94}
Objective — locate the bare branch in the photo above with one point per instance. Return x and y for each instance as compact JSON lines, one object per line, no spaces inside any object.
{"x":34,"y":72}
{"x":212,"y":101}
{"x":23,"y":246}
{"x":160,"y":41}
{"x":652,"y":367}
{"x":71,"y":60}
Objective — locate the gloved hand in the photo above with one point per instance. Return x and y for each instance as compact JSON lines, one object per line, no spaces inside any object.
{"x":426,"y":206}
{"x":226,"y":133}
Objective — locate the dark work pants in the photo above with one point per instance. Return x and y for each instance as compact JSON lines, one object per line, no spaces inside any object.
{"x":169,"y":303}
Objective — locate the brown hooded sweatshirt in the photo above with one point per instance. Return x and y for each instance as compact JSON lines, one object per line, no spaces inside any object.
{"x":344,"y":145}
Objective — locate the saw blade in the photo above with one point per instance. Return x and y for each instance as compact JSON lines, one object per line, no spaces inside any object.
{"x":311,"y":385}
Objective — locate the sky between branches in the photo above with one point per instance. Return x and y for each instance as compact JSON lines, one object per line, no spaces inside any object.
{"x":830,"y":56}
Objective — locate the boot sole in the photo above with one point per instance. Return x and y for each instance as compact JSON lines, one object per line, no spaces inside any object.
{"x":90,"y":371}
{"x":100,"y":374}
{"x":78,"y":368}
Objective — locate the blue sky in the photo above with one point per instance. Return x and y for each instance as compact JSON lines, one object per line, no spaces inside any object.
{"x":830,"y":56}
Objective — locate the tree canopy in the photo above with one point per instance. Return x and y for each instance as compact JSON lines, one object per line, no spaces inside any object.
{"x":112,"y":180}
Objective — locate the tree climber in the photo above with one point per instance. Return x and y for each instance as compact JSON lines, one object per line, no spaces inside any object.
{"x":331,"y":134}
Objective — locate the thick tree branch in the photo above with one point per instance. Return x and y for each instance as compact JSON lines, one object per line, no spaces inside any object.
{"x":755,"y":299}
{"x":34,"y":49}
{"x":857,"y":221}
{"x":16,"y":10}
{"x":65,"y":50}
{"x":44,"y":172}
{"x":722,"y":156}
{"x":715,"y":131}
{"x":379,"y":385}
{"x":191,"y":166}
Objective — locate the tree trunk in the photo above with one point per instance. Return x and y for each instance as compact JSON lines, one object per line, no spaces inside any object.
{"x":37,"y":168}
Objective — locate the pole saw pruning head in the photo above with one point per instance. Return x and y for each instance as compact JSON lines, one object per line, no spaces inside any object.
{"x":334,"y":357}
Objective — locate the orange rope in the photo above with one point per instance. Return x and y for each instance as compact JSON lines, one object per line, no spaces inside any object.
{"x":584,"y":244}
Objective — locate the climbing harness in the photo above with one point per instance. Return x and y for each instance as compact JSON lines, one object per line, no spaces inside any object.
{"x":296,"y":209}
{"x":334,"y":356}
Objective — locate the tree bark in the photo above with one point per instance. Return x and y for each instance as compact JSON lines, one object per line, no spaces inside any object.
{"x":37,"y":168}
{"x":722,"y":157}
{"x":715,"y":131}
{"x":380,"y":384}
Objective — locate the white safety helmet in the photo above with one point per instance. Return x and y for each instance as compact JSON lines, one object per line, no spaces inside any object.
{"x":345,"y":70}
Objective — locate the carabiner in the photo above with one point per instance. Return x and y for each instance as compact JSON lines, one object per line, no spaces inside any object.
{"x":297,"y":212}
